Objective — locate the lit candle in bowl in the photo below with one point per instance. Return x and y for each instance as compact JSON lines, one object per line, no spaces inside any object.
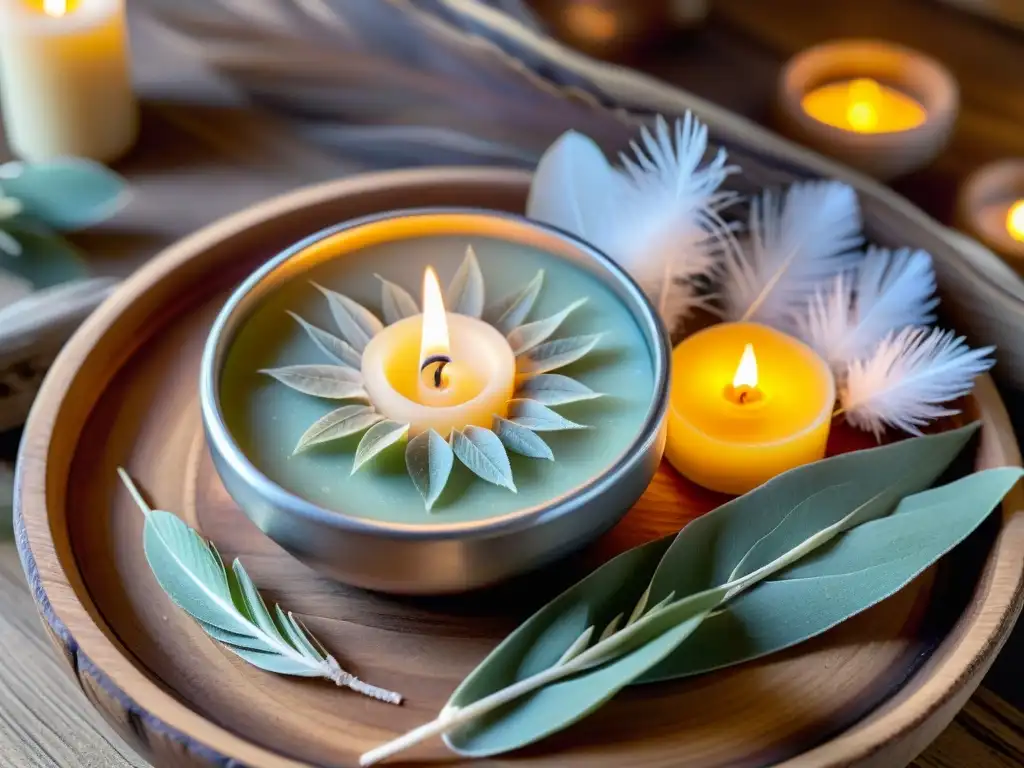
{"x":747,"y":403}
{"x":990,"y":207}
{"x":65,"y":79}
{"x":882,"y":108}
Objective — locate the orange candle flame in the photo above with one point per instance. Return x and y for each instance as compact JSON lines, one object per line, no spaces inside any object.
{"x":1015,"y":221}
{"x":746,"y":371}
{"x":55,"y":8}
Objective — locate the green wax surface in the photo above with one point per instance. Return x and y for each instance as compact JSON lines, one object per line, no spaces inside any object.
{"x":267,"y":418}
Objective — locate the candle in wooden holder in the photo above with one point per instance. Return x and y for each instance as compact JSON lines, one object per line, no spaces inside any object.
{"x":65,"y":80}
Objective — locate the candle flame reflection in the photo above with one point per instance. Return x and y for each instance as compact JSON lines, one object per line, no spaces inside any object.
{"x":434,"y":340}
{"x":1015,"y":221}
{"x":746,"y":371}
{"x":55,"y":8}
{"x":862,"y":110}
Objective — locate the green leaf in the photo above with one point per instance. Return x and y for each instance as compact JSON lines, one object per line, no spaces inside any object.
{"x":336,"y":349}
{"x":526,"y":337}
{"x":466,"y":291}
{"x":556,"y":354}
{"x":429,"y":460}
{"x":66,"y":193}
{"x":396,"y":302}
{"x":337,"y":424}
{"x":538,"y":417}
{"x":555,"y":389}
{"x":521,"y":440}
{"x":254,"y":605}
{"x":357,"y":324}
{"x":513,"y":310}
{"x":484,"y":455}
{"x":332,"y":382}
{"x":377,"y":439}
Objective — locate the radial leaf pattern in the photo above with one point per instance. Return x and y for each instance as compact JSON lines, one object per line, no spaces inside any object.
{"x":429,"y":457}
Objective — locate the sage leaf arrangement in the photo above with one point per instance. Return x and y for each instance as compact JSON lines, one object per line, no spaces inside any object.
{"x":861,"y":523}
{"x":228,"y":607}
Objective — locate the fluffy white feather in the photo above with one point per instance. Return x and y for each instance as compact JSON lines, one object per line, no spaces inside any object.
{"x":888,"y":291}
{"x":796,"y":243}
{"x":909,"y":377}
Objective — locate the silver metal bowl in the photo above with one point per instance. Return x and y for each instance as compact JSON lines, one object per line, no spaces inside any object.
{"x":435,"y":559}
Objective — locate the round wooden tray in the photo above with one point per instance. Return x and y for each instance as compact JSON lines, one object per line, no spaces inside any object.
{"x":872,"y":692}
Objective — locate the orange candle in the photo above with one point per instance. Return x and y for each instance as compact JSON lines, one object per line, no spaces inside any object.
{"x":863,"y":106}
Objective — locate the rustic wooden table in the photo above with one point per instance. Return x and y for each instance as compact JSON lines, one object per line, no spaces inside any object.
{"x":198,"y":160}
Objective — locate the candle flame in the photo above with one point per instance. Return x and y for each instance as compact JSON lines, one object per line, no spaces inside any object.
{"x":434,"y":340}
{"x":55,"y":8}
{"x":746,"y":371}
{"x":862,"y":110}
{"x":1015,"y":221}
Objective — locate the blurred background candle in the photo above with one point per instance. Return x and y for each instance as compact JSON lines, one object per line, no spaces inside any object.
{"x":65,"y":79}
{"x":990,"y":207}
{"x":747,"y":403}
{"x":864,"y":106}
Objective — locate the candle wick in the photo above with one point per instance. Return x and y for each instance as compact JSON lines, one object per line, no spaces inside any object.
{"x":743,"y":396}
{"x":442,"y":361}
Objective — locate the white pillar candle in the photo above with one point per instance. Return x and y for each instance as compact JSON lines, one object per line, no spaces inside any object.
{"x":65,"y":79}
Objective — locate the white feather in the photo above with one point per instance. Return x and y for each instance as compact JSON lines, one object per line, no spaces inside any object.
{"x":887,"y":292}
{"x":796,"y":244}
{"x":909,"y":377}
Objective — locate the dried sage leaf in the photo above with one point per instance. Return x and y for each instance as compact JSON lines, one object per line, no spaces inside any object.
{"x":526,"y":337}
{"x":429,"y":460}
{"x":555,"y":389}
{"x":357,"y":324}
{"x":538,"y":417}
{"x":466,"y":290}
{"x":377,"y":439}
{"x":521,"y":440}
{"x":552,"y":355}
{"x":333,"y":382}
{"x":484,"y":455}
{"x":514,"y":309}
{"x":330,"y":345}
{"x":341,"y":422}
{"x":396,"y":302}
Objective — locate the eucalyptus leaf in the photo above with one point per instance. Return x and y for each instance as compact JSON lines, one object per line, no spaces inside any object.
{"x":552,"y":355}
{"x":511,"y":311}
{"x":521,"y":440}
{"x":429,"y":460}
{"x":484,"y":455}
{"x":466,"y":290}
{"x":336,"y":349}
{"x":396,"y":302}
{"x":332,"y":382}
{"x":526,"y":337}
{"x":538,"y":417}
{"x":554,"y":389}
{"x":66,"y":193}
{"x":357,"y":324}
{"x":377,"y":439}
{"x":337,"y":424}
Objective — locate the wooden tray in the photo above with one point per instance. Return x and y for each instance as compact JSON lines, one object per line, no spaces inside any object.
{"x":874,"y":691}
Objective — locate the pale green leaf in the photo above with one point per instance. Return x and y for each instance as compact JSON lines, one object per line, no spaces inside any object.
{"x":336,"y":349}
{"x":538,"y":417}
{"x":297,"y":635}
{"x":429,"y":459}
{"x":396,"y":302}
{"x":484,"y":455}
{"x":331,"y":382}
{"x":514,"y":309}
{"x":337,"y":424}
{"x":377,"y":439}
{"x":65,"y":193}
{"x":466,"y":291}
{"x":297,"y":666}
{"x":255,"y":607}
{"x":552,"y":355}
{"x":232,"y":638}
{"x":526,"y":337}
{"x":555,"y":389}
{"x":521,"y":440}
{"x":357,"y":324}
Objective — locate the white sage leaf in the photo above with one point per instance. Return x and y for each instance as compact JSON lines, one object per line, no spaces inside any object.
{"x":357,"y":324}
{"x":513,"y":310}
{"x":429,"y":459}
{"x":396,"y":302}
{"x":555,"y":389}
{"x":466,"y":290}
{"x":341,"y":422}
{"x":484,"y":455}
{"x":538,"y":417}
{"x":330,"y":345}
{"x":377,"y":439}
{"x":521,"y":440}
{"x":332,"y":382}
{"x":526,"y":337}
{"x":552,"y":355}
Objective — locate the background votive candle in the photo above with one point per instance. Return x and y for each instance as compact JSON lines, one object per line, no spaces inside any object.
{"x":990,"y":207}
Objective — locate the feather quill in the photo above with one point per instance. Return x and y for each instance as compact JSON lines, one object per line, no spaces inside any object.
{"x":796,"y":242}
{"x":908,"y":379}
{"x":888,"y":291}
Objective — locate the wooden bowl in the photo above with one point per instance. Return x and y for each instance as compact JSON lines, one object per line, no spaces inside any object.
{"x":874,"y":691}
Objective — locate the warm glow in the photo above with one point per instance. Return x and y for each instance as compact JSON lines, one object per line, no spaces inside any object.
{"x":55,"y":8}
{"x":862,"y":110}
{"x":1015,"y":221}
{"x":434,"y":340}
{"x":591,"y":23}
{"x":746,"y":372}
{"x":863,"y":105}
